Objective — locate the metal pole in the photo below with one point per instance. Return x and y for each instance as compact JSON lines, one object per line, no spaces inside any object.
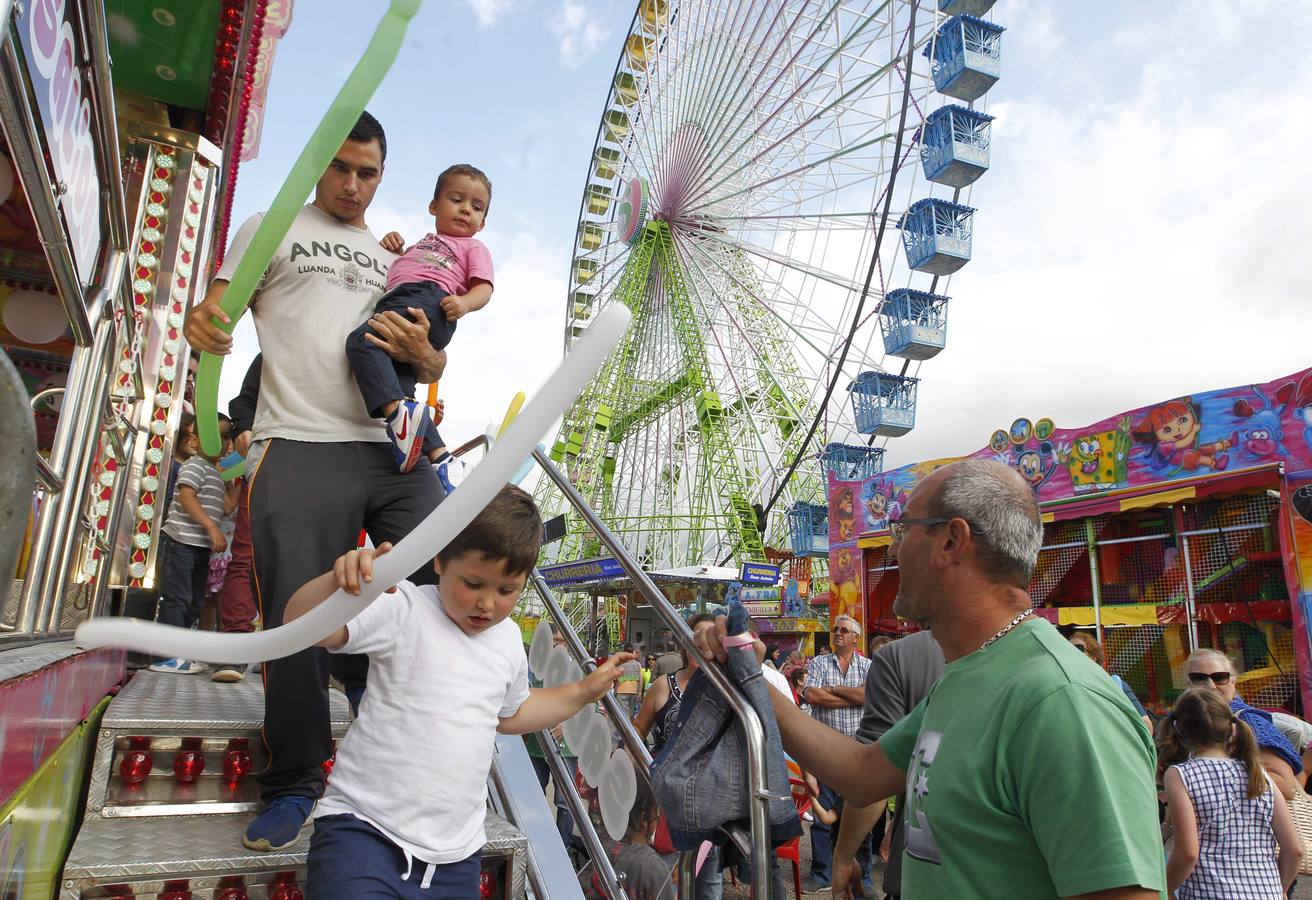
{"x":1095,"y":586}
{"x":596,"y":849}
{"x":762,"y":855}
{"x":44,"y":535}
{"x":90,"y":414}
{"x":30,"y":167}
{"x":1190,"y":611}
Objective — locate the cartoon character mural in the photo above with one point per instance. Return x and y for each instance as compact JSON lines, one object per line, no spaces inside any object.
{"x":844,"y":517}
{"x":1026,"y":448}
{"x":1206,"y":432}
{"x":1095,"y":461}
{"x":874,"y":497}
{"x":881,"y":502}
{"x":1264,"y":439}
{"x":1172,"y":433}
{"x":1297,"y":397}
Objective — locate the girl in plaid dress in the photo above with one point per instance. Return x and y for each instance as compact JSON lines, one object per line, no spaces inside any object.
{"x":1227,"y":818}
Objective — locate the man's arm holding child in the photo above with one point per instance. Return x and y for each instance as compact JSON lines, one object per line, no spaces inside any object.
{"x":350,"y":571}
{"x":455,"y":306}
{"x":548,"y":707}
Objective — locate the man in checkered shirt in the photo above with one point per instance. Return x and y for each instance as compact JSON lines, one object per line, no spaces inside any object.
{"x":836,"y":691}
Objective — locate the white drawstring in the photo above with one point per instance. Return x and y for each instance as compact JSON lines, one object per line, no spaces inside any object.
{"x":429,"y":869}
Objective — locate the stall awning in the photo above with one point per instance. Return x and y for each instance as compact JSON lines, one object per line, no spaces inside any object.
{"x":1166,"y":493}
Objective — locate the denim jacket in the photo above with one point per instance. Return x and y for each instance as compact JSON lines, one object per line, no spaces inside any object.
{"x":700,"y":775}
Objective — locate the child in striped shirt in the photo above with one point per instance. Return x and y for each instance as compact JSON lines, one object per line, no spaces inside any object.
{"x":190,"y":534}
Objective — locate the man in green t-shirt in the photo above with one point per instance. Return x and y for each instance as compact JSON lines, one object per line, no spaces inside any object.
{"x":1027,"y":772}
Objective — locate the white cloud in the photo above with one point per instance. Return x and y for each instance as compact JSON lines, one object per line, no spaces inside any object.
{"x":579,"y":30}
{"x":488,"y":11}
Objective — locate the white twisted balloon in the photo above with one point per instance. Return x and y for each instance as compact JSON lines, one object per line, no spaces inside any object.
{"x":415,"y":550}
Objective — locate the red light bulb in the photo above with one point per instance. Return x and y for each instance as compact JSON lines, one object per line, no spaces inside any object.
{"x":237,"y":760}
{"x":487,"y":885}
{"x":188,"y":765}
{"x":136,"y":765}
{"x":283,"y":887}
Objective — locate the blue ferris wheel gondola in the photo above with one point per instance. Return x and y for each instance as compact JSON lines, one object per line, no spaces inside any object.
{"x":808,"y":528}
{"x":915,"y":323}
{"x":954,"y":145}
{"x":850,"y":462}
{"x":883,"y":403}
{"x":937,"y":235}
{"x":966,"y":56}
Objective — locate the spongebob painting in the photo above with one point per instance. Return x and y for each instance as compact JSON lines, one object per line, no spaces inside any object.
{"x":1096,"y":461}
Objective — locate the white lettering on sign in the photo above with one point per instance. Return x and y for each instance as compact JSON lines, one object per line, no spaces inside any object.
{"x":66,"y":117}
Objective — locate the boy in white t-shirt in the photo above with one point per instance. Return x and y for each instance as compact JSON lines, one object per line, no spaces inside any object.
{"x":403,"y":812}
{"x":447,"y":274}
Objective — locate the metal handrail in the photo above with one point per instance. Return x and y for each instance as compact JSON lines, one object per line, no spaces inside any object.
{"x":762,"y":856}
{"x":39,"y":397}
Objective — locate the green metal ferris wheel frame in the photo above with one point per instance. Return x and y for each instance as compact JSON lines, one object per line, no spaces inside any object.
{"x":615,"y":406}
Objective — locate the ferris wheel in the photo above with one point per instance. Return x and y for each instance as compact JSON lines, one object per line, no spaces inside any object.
{"x":754,"y":168}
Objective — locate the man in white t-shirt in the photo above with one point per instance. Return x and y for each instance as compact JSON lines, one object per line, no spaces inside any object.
{"x":326,"y":469}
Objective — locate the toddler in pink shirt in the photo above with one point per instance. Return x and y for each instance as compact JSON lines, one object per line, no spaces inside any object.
{"x":447,"y":274}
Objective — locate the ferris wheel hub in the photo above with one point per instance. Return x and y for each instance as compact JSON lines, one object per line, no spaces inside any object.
{"x":633,"y":210}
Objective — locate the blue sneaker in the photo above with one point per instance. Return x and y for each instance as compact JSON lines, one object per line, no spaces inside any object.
{"x":406,"y":428}
{"x":178,"y":666}
{"x":277,"y":827}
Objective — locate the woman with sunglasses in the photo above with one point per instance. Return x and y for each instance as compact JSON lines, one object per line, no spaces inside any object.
{"x":1089,"y":646}
{"x":1214,"y":671}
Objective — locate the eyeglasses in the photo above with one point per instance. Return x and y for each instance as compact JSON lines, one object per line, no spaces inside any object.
{"x":842,"y":629}
{"x":1217,"y":678}
{"x":898,"y":527}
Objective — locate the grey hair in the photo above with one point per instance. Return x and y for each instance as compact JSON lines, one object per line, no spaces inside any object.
{"x":856,"y":626}
{"x":1001,"y":509}
{"x":1211,"y":653}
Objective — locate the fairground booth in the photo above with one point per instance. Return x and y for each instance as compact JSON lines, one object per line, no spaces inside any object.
{"x":1179,"y":525}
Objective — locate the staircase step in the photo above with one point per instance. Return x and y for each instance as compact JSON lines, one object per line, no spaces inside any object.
{"x":147,"y":857}
{"x":161,"y":714}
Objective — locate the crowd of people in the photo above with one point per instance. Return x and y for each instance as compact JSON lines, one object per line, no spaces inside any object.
{"x":985,"y":755}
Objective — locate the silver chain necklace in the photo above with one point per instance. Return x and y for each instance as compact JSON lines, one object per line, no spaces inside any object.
{"x":1005,"y":628}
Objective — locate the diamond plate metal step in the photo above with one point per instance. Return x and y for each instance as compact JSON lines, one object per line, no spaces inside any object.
{"x":138,"y":857}
{"x":161,"y":714}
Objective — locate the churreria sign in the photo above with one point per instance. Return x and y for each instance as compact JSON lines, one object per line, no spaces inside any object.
{"x":51,"y":57}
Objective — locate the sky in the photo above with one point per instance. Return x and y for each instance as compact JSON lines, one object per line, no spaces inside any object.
{"x":1143,"y":231}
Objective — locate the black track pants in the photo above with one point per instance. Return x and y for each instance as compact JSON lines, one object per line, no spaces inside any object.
{"x":308,"y":503}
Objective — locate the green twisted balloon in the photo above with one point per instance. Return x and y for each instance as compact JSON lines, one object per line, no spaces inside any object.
{"x":310,"y":165}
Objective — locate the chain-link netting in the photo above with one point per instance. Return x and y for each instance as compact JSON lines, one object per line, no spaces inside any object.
{"x":1218,"y":558}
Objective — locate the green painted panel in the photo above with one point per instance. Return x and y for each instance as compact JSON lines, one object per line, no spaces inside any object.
{"x":37,"y":823}
{"x":164,"y":49}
